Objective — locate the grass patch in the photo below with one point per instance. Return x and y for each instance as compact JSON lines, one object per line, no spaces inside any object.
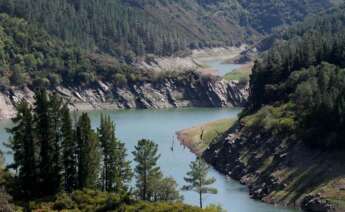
{"x":192,"y":138}
{"x":240,"y":74}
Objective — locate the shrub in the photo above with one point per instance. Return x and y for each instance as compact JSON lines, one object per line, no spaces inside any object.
{"x":91,"y":200}
{"x":275,"y":119}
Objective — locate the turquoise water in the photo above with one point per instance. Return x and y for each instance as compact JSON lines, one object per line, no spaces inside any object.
{"x":161,"y":126}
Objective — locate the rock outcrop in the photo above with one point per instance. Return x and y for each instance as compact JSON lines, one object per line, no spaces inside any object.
{"x":279,"y":170}
{"x":315,"y":203}
{"x":167,"y":93}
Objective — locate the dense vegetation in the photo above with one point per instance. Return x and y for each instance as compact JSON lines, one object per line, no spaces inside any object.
{"x":34,"y":52}
{"x":266,"y":15}
{"x":51,"y":154}
{"x":89,"y":200}
{"x":125,"y":28}
{"x":29,"y":56}
{"x":299,"y":83}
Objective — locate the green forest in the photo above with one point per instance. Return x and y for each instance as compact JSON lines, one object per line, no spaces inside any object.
{"x":76,"y":43}
{"x":126,"y":28}
{"x":32,"y":58}
{"x":29,"y":56}
{"x":305,"y":82}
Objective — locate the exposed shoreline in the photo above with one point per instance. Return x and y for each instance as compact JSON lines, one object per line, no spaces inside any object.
{"x":195,"y":61}
{"x":180,"y":135}
{"x":190,"y":137}
{"x":151,"y":97}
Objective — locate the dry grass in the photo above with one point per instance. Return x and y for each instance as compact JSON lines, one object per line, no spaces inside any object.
{"x":192,"y":138}
{"x":242,"y":73}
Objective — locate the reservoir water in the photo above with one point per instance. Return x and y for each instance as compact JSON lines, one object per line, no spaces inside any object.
{"x":160,"y":126}
{"x":221,"y":67}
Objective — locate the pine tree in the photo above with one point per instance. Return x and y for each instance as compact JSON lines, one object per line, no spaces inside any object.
{"x":104,"y":136}
{"x":47,"y":131}
{"x":45,"y":139}
{"x":198,"y":180}
{"x":69,"y":151}
{"x":55,"y":111}
{"x":24,"y":149}
{"x":123,"y":171}
{"x":116,"y":171}
{"x":5,"y":198}
{"x":88,"y":154}
{"x":146,"y":170}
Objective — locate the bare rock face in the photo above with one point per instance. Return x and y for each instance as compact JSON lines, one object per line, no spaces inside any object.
{"x":9,"y":98}
{"x":315,"y":203}
{"x":273,"y":165}
{"x":167,"y":93}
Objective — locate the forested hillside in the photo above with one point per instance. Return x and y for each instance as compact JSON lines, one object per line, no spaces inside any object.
{"x":288,"y":145}
{"x":308,"y":75}
{"x":31,"y":57}
{"x":126,"y":28}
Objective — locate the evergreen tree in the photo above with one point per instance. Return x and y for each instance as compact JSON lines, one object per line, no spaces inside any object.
{"x":5,"y":198}
{"x":105,"y":136}
{"x":198,"y":180}
{"x":88,"y":154}
{"x":116,"y":170}
{"x":55,"y":111}
{"x":24,"y":149}
{"x":123,"y":172}
{"x":146,"y":170}
{"x":69,"y":151}
{"x":47,"y":132}
{"x":45,"y":140}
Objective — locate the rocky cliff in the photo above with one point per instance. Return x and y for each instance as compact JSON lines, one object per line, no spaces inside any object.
{"x":193,"y":90}
{"x":280,"y":170}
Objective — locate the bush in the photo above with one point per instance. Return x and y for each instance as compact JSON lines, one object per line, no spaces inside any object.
{"x":120,"y":80}
{"x":41,"y":82}
{"x":90,"y":200}
{"x":277,"y":120}
{"x":64,"y":201}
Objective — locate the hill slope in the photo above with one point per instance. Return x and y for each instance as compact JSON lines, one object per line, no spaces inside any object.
{"x":288,"y":145}
{"x":31,"y":58}
{"x":125,"y":28}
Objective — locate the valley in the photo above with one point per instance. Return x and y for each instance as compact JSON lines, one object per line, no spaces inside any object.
{"x":253,"y":88}
{"x":232,"y":195}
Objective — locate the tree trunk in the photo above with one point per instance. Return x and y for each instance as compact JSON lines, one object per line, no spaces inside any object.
{"x":200,"y":196}
{"x":145,"y":186}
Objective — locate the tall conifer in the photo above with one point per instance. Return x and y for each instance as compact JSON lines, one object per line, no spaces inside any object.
{"x":24,"y":149}
{"x":88,"y":154}
{"x":146,"y":171}
{"x":69,"y":151}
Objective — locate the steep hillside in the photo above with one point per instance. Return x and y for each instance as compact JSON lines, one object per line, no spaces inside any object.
{"x":265,"y":15}
{"x":126,"y":28}
{"x":288,"y":145}
{"x":31,"y":58}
